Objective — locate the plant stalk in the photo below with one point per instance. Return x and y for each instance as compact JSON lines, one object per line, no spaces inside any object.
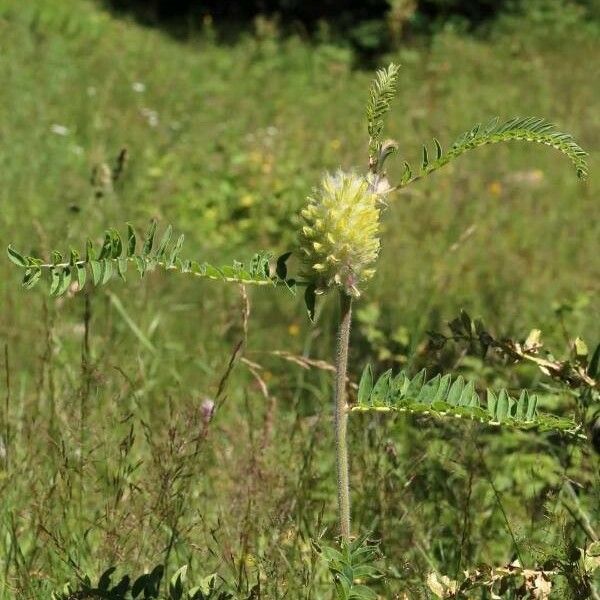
{"x":341,"y":414}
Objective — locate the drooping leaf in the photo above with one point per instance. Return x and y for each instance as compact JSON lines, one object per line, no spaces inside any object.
{"x":31,"y":277}
{"x":529,"y":129}
{"x":104,"y":581}
{"x":281,"y":267}
{"x":310,"y":299}
{"x":16,"y":258}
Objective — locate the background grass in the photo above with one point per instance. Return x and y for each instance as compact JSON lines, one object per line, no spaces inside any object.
{"x":106,"y":457}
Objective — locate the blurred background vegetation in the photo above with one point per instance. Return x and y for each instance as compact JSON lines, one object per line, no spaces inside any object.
{"x":370,"y":26}
{"x":224,"y":116}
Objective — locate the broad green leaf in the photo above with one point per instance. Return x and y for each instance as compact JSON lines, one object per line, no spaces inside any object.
{"x":281,"y":268}
{"x":492,"y":403}
{"x":65,"y":281}
{"x":97,"y":271}
{"x":522,"y":405}
{"x":149,"y":239}
{"x":414,"y":387}
{"x":122,"y":268}
{"x":31,"y":278}
{"x":56,"y":280}
{"x":131,"y":240}
{"x":310,"y":301}
{"x":116,"y":244}
{"x":107,"y":271}
{"x":104,"y":581}
{"x":467,"y":394}
{"x":456,"y":390}
{"x":164,"y":243}
{"x":15,"y":257}
{"x":106,"y":249}
{"x":81,"y":275}
{"x":443,"y":388}
{"x":365,"y":386}
{"x":429,"y":390}
{"x":531,"y":407}
{"x":380,"y":392}
{"x":176,"y":249}
{"x":502,"y":408}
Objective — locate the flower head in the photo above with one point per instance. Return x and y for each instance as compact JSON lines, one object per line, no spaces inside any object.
{"x":207,"y":410}
{"x":339,"y":239}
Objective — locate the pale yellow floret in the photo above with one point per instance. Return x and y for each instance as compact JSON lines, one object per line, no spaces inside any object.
{"x":339,"y":237}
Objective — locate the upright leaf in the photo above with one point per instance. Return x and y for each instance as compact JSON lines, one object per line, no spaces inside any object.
{"x":131,"y":240}
{"x":365,"y":386}
{"x":149,"y":239}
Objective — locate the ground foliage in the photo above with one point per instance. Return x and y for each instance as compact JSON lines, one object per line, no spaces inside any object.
{"x":108,"y":456}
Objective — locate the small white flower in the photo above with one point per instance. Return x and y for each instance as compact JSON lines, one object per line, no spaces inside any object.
{"x":379,"y":184}
{"x":151,"y":116}
{"x":207,"y":409}
{"x":138,"y":86}
{"x":59,"y":129}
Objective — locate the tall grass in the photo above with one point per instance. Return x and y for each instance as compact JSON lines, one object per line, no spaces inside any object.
{"x":106,"y":455}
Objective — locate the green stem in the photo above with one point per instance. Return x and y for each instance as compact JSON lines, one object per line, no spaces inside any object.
{"x":341,"y":414}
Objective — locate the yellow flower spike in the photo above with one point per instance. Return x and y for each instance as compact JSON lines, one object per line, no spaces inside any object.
{"x":339,"y":237}
{"x":247,"y":200}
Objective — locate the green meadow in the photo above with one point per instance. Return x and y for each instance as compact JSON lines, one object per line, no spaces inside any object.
{"x":106,"y":456}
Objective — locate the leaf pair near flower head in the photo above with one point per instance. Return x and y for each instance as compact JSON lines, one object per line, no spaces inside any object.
{"x":339,"y":240}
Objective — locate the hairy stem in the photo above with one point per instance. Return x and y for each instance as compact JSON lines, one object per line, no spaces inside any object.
{"x":341,"y":414}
